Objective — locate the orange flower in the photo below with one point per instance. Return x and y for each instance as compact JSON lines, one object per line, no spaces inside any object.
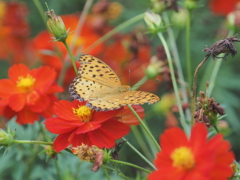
{"x":222,"y":7}
{"x":14,"y":31}
{"x":195,"y":158}
{"x":77,"y":124}
{"x":28,"y":93}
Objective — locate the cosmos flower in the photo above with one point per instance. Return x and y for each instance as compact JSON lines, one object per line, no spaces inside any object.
{"x":194,"y":158}
{"x":28,"y":93}
{"x":77,"y":124}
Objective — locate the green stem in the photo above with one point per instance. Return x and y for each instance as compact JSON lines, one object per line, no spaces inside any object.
{"x":114,"y":31}
{"x":140,"y":140}
{"x":142,"y":156}
{"x":130,"y":164}
{"x":178,"y":64}
{"x":188,"y":54}
{"x":31,"y":142}
{"x":41,"y":11}
{"x":76,"y":34}
{"x":170,"y":63}
{"x":72,"y":58}
{"x":106,"y":173}
{"x":139,"y":83}
{"x":194,"y":87}
{"x":144,"y":127}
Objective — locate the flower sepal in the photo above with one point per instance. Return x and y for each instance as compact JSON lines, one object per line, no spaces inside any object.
{"x":6,"y":139}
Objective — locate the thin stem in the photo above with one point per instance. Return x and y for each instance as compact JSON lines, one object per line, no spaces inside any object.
{"x":41,"y":11}
{"x":188,"y":54}
{"x":140,"y":140}
{"x":72,"y":58}
{"x":170,"y":63}
{"x":106,"y":173}
{"x":80,"y":23}
{"x":76,"y":34}
{"x":139,"y":83}
{"x":178,"y":64}
{"x":114,"y":31}
{"x":145,"y":127}
{"x":216,"y":70}
{"x":141,"y":155}
{"x":130,"y":164}
{"x":31,"y":142}
{"x":194,"y":87}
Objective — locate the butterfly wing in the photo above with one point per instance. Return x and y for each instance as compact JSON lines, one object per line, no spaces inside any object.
{"x":95,"y":77}
{"x":116,"y":101}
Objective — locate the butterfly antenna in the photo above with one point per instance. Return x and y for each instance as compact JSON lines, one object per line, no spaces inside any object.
{"x":129,"y":71}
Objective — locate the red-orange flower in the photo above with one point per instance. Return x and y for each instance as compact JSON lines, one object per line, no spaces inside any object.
{"x":28,"y":93}
{"x":77,"y":124}
{"x":195,"y":158}
{"x":14,"y":31}
{"x":222,"y":7}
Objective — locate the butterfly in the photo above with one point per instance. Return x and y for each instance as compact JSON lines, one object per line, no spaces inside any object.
{"x":100,"y":86}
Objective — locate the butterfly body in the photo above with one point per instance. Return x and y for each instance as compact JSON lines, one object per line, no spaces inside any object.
{"x":98,"y":84}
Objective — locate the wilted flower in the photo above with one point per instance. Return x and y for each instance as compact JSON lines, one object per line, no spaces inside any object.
{"x":208,"y":110}
{"x":223,"y":46}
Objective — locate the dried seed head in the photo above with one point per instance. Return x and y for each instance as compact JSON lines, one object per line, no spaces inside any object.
{"x":223,"y":46}
{"x":208,"y":110}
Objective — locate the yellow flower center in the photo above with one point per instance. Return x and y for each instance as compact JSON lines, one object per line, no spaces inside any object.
{"x":84,"y":113}
{"x":183,"y":158}
{"x":26,"y":82}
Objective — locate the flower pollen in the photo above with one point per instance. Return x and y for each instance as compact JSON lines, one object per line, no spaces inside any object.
{"x":84,"y":113}
{"x":26,"y":83}
{"x":183,"y":158}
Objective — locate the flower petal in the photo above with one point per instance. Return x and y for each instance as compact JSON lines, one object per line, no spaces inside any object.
{"x":17,"y":70}
{"x":40,"y":104}
{"x":17,"y":102}
{"x":64,"y":110}
{"x":102,"y":116}
{"x":61,"y":142}
{"x":128,"y":117}
{"x":86,"y":127}
{"x":60,"y":126}
{"x":101,"y":138}
{"x":26,"y":116}
{"x":8,"y":87}
{"x":173,"y":138}
{"x":45,"y":77}
{"x":79,"y":139}
{"x":116,"y":128}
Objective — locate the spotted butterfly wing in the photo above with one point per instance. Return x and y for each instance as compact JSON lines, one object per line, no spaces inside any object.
{"x":99,"y":85}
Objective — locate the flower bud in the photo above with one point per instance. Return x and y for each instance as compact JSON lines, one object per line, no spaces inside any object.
{"x":5,"y":138}
{"x":50,"y":151}
{"x":191,"y":4}
{"x":152,"y":20}
{"x":154,"y":68}
{"x":56,"y":26}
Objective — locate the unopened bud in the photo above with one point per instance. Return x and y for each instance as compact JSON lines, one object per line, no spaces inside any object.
{"x":152,"y":20}
{"x":56,"y":26}
{"x":5,"y":138}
